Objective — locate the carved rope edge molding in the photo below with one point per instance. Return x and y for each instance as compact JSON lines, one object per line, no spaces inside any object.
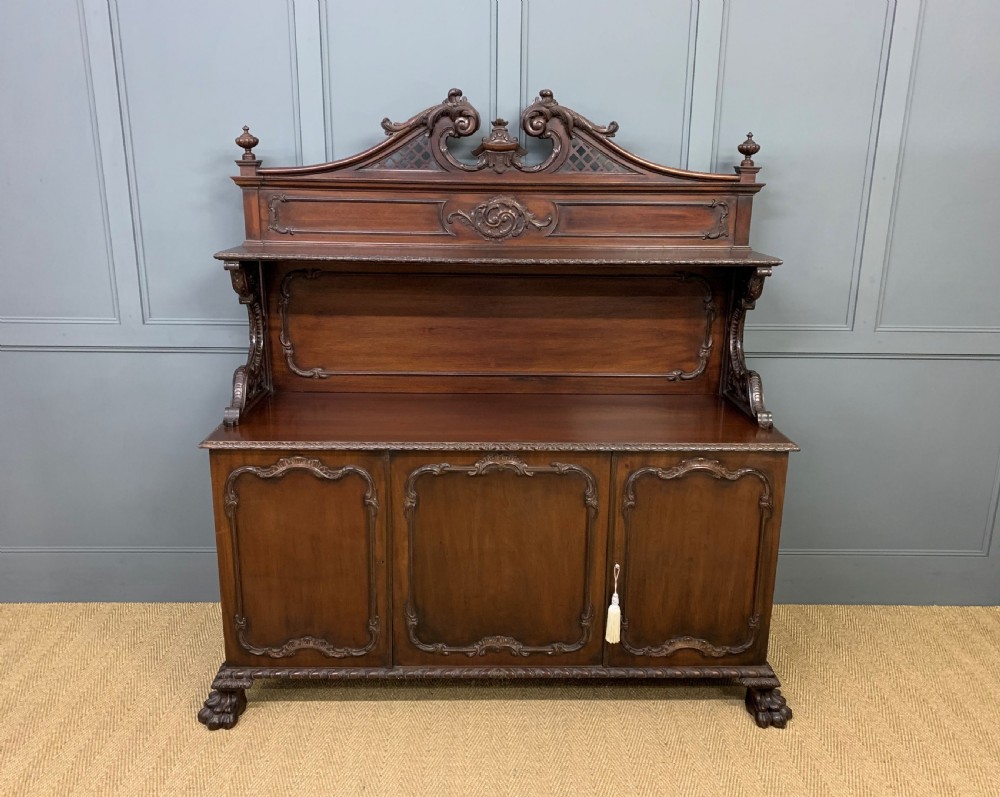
{"x":400,"y":445}
{"x":231,"y":678}
{"x":499,"y":642}
{"x":714,"y":469}
{"x":370,"y":502}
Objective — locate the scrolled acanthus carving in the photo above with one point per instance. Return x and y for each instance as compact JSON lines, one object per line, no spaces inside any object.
{"x":546,"y":118}
{"x":537,"y":117}
{"x":462,"y":118}
{"x":743,"y":386}
{"x":252,"y":380}
{"x":499,"y":218}
{"x":371,"y":506}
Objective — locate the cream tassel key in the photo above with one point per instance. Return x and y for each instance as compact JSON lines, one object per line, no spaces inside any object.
{"x":613,"y":634}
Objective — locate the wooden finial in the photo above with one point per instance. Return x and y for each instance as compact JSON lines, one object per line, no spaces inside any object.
{"x":748,"y":149}
{"x":248,"y":142}
{"x":500,"y":150}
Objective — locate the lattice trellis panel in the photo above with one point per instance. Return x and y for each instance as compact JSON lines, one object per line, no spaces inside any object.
{"x":584,"y":158}
{"x":414,"y":155}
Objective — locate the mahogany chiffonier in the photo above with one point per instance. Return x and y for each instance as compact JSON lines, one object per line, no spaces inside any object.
{"x":486,"y":399}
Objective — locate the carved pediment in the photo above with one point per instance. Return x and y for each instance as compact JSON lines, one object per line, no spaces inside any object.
{"x":578,"y":146}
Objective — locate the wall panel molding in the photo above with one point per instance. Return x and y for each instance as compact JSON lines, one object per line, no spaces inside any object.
{"x":983,"y":550}
{"x":720,"y":81}
{"x":573,"y":85}
{"x":864,"y":199}
{"x":102,"y":197}
{"x":13,"y":550}
{"x":923,"y":483}
{"x":899,"y":159}
{"x":324,"y":61}
{"x":148,"y":318}
{"x":900,"y":166}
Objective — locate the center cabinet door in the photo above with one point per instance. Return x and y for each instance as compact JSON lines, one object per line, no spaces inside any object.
{"x":498,"y":559}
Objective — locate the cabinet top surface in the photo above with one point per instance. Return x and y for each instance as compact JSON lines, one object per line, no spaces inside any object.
{"x":491,"y":421}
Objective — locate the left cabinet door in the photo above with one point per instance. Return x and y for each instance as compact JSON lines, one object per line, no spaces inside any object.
{"x":302,"y":551}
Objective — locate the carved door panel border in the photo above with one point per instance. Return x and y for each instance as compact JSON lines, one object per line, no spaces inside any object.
{"x":686,"y":648}
{"x":316,"y":649}
{"x":500,"y":648}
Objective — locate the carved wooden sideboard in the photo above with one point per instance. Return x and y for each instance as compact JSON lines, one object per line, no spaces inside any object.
{"x":474,"y":387}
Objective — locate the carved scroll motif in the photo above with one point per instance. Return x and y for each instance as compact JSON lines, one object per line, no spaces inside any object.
{"x":500,"y":642}
{"x":579,"y":146}
{"x":705,"y":350}
{"x":543,"y":119}
{"x":253,"y":380}
{"x":721,"y":229}
{"x":370,"y":503}
{"x":283,"y":337}
{"x":547,"y":119}
{"x":743,"y":386}
{"x":500,"y":218}
{"x":455,"y":112}
{"x":766,"y":503}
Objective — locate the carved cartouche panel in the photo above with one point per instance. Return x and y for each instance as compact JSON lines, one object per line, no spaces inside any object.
{"x":682,"y":470}
{"x":370,"y":507}
{"x":484,"y":468}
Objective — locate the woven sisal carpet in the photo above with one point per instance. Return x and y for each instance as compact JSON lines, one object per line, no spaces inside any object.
{"x":101,"y":699}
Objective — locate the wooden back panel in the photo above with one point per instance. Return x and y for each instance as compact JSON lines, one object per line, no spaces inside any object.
{"x":407,"y":332}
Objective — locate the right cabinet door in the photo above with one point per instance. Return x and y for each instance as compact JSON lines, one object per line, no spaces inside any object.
{"x":696,"y":537}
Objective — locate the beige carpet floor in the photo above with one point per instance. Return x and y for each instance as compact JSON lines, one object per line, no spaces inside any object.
{"x":101,"y":699}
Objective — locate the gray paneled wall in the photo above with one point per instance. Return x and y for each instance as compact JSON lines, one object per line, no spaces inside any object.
{"x":879,"y":339}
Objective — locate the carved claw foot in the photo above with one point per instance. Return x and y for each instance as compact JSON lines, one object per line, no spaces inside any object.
{"x":222,"y":708}
{"x":768,"y":707}
{"x":226,"y":701}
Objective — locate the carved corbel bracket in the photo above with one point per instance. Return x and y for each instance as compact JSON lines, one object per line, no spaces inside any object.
{"x":743,"y":386}
{"x":250,"y":381}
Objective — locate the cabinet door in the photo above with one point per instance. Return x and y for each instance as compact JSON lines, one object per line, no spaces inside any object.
{"x":498,"y":559}
{"x":302,"y":544}
{"x":696,"y":538}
